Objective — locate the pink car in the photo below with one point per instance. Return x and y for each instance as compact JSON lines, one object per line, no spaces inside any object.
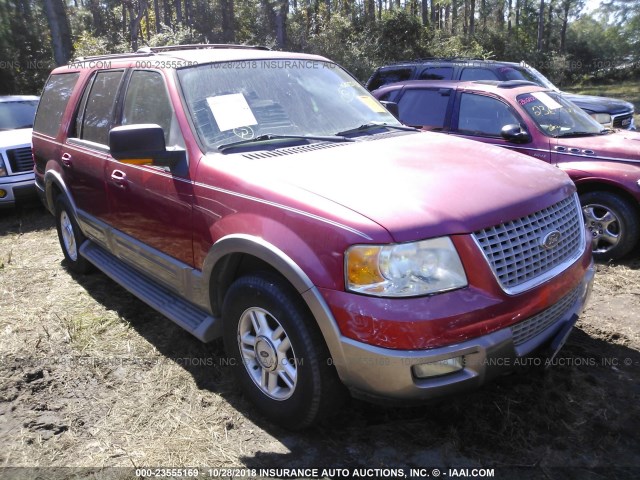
{"x":526,"y":118}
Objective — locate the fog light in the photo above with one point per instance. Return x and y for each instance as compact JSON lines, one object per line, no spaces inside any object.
{"x":3,"y":193}
{"x":441,"y":367}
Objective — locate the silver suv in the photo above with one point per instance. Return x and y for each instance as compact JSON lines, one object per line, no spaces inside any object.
{"x":16,"y":162}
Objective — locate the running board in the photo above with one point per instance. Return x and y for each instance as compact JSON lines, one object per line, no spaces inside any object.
{"x":193,"y":319}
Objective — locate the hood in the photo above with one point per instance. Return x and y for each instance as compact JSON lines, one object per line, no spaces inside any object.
{"x":15,"y":138}
{"x":621,"y":145}
{"x":416,"y":186}
{"x":593,"y":104}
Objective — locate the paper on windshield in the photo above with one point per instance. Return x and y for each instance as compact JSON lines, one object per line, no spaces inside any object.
{"x":548,"y":102}
{"x":372,"y":104}
{"x":231,"y":111}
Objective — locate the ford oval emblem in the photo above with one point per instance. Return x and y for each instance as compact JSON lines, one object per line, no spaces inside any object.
{"x":551,"y":240}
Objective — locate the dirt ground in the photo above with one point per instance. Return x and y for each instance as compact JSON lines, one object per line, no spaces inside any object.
{"x":92,"y":377}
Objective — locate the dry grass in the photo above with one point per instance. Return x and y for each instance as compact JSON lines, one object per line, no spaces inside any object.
{"x":91,"y":377}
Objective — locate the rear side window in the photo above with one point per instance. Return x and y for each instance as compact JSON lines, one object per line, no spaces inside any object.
{"x":478,"y":74}
{"x":424,"y":108}
{"x":436,"y":73}
{"x":383,"y":77}
{"x":53,"y":103}
{"x":96,"y":115}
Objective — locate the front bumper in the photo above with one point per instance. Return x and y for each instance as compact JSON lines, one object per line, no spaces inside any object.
{"x":377,"y":373}
{"x":16,"y":187}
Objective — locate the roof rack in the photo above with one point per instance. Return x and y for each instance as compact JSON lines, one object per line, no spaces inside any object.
{"x":445,"y":59}
{"x":197,"y":46}
{"x":148,"y":51}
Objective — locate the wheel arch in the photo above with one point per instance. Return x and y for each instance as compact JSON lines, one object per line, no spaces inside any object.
{"x":589,"y":186}
{"x":235,"y":255}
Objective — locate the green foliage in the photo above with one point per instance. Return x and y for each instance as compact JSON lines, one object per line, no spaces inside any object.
{"x":606,"y":44}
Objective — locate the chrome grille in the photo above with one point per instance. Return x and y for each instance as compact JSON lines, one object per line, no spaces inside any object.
{"x":20,"y":159}
{"x":515,"y":252}
{"x":622,"y":121}
{"x":524,"y":331}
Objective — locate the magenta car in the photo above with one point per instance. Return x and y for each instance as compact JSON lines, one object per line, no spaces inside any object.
{"x":526,"y":118}
{"x":267,"y":198}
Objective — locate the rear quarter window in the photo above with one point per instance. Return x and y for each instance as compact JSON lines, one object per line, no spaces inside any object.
{"x":53,"y":103}
{"x":384,"y":77}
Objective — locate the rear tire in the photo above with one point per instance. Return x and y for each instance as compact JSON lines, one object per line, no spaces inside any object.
{"x":70,"y":237}
{"x":612,"y":222}
{"x":277,"y":352}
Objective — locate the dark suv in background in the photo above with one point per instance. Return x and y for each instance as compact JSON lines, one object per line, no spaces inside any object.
{"x":610,"y":112}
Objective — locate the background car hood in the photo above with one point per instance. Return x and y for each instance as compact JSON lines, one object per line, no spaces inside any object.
{"x":418,"y":185}
{"x":15,"y":138}
{"x":599,"y":104}
{"x":622,"y":145}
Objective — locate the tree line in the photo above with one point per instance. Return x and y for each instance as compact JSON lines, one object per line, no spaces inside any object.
{"x":556,"y":36}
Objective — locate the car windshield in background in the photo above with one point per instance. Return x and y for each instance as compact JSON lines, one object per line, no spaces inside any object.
{"x":528,"y":74}
{"x":558,"y":117}
{"x":17,"y":114}
{"x":243,"y":100}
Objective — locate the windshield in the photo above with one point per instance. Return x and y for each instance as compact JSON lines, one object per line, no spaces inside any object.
{"x":529,"y":74}
{"x":556,"y":116}
{"x":17,"y":114}
{"x":246,"y":99}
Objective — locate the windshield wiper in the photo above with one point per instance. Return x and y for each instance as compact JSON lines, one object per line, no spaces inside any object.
{"x":372,"y":125}
{"x":272,"y":136}
{"x":577,"y":134}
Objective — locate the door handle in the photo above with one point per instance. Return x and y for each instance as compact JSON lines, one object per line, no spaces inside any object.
{"x":66,"y":159}
{"x":119,"y":178}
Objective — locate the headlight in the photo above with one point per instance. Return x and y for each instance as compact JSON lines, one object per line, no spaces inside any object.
{"x":404,"y":269}
{"x":603,"y":118}
{"x":3,"y":169}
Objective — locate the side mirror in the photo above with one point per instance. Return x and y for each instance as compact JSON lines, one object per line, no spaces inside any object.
{"x":392,"y":107}
{"x":142,"y":142}
{"x":515,"y":133}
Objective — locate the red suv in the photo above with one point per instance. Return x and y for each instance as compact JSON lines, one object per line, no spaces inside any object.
{"x":526,"y":118}
{"x":267,"y":198}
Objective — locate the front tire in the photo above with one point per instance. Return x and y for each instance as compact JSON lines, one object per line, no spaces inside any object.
{"x":277,"y":352}
{"x":70,"y":236}
{"x":612,"y":222}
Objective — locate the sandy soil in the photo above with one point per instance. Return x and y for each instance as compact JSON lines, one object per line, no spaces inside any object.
{"x":92,"y":377}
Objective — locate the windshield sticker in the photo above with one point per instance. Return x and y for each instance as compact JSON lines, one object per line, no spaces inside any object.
{"x":245,"y":133}
{"x":525,"y":100}
{"x":548,"y":102}
{"x":372,"y":104}
{"x":231,"y":111}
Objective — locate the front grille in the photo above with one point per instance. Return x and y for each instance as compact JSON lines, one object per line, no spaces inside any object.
{"x":622,"y":121}
{"x":524,"y":331}
{"x":20,"y":159}
{"x":515,"y":249}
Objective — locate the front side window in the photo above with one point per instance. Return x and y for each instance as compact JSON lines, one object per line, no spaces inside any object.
{"x":235,"y":101}
{"x":473,"y":73}
{"x":424,"y":107}
{"x":95,"y":118}
{"x":484,"y":116}
{"x":53,"y":103}
{"x":557,"y":117}
{"x":147,"y":101}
